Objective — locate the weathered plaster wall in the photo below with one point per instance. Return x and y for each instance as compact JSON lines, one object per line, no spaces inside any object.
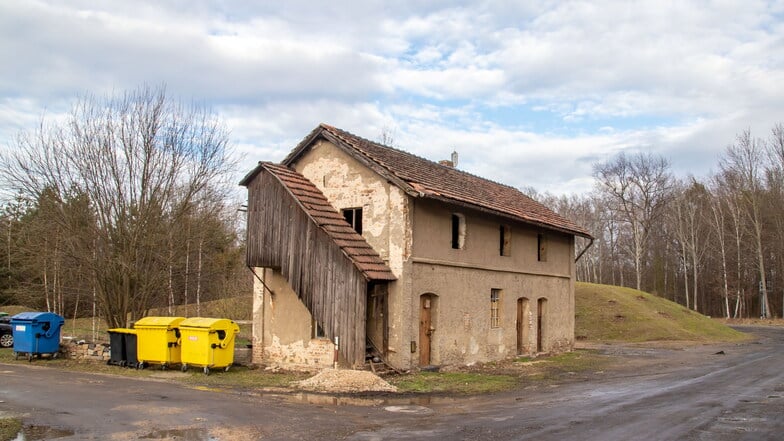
{"x":433,"y":240}
{"x":462,"y":280}
{"x":282,"y":326}
{"x":386,"y":225}
{"x":461,"y":316}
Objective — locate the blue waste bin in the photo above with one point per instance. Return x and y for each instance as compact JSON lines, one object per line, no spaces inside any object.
{"x":36,"y":333}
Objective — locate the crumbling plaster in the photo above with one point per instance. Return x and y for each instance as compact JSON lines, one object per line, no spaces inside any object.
{"x":282,"y":326}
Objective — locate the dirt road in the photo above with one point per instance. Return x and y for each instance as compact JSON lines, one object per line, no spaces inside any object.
{"x":662,"y":394}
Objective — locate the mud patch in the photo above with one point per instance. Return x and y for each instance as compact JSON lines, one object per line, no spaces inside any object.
{"x":181,"y":435}
{"x":34,"y":433}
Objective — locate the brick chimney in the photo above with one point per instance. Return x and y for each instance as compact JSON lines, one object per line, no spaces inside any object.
{"x":450,"y":162}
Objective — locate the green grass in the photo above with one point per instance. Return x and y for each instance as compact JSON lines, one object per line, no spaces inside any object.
{"x":9,"y":428}
{"x":502,"y":375}
{"x":453,"y":382}
{"x":244,"y":377}
{"x":605,"y":313}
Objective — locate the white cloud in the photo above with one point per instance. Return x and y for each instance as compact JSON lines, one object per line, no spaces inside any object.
{"x":528,"y":93}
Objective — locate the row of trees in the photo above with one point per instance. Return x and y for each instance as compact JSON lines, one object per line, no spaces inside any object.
{"x":713,"y":244}
{"x":120,"y":208}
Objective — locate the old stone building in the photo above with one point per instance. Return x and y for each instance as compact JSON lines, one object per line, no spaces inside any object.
{"x":371,"y":247}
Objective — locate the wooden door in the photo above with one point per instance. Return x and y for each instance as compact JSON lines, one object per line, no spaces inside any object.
{"x":523,"y":317}
{"x":425,"y":328}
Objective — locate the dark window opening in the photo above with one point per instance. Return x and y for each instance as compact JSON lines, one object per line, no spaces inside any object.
{"x":455,"y":231}
{"x":541,"y":241}
{"x":458,"y":231}
{"x":354,"y":218}
{"x":315,"y":330}
{"x":505,"y":236}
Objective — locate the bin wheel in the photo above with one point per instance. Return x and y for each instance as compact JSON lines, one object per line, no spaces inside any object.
{"x":163,"y":367}
{"x":226,"y":369}
{"x":29,"y":358}
{"x":16,"y":356}
{"x":140,"y":365}
{"x":55,"y":355}
{"x":206,"y":370}
{"x":184,"y":367}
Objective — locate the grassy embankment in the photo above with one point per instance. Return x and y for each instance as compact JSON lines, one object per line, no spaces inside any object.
{"x":606,"y":313}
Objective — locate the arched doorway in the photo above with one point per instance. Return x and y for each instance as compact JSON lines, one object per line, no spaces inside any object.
{"x":523,"y":325}
{"x":541,"y":324}
{"x":427,"y":306}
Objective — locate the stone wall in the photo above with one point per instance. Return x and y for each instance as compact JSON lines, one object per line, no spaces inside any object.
{"x":81,"y":350}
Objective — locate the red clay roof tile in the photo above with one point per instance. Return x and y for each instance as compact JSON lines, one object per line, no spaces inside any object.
{"x":424,"y":178}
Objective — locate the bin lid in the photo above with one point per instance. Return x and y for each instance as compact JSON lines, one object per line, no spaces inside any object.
{"x":38,"y":317}
{"x":122,"y":331}
{"x":211,"y":323}
{"x":158,"y":322}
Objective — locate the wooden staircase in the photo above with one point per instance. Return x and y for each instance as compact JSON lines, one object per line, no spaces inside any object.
{"x":374,"y":361}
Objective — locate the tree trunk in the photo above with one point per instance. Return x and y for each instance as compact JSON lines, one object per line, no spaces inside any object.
{"x":694,"y":281}
{"x":171,"y":276}
{"x":764,"y":304}
{"x":198,"y":279}
{"x":187,"y":269}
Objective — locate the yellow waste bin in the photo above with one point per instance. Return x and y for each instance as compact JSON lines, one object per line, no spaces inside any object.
{"x":158,"y":341}
{"x":208,"y":343}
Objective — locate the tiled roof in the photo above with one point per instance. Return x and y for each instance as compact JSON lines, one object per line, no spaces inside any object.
{"x":423,"y":178}
{"x":364,"y":257}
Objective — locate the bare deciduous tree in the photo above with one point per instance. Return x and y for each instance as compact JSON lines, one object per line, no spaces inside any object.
{"x":690,"y":209}
{"x":745,"y":161}
{"x":142,"y":161}
{"x":637,"y":188}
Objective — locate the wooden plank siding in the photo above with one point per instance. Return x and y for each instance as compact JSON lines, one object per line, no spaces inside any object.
{"x":283,"y":235}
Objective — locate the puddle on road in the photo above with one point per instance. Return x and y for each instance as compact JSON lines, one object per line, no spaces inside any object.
{"x":411,"y":409}
{"x":181,"y":435}
{"x":36,"y":433}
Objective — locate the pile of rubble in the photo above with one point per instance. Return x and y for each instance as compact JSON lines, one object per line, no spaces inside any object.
{"x":339,"y":380}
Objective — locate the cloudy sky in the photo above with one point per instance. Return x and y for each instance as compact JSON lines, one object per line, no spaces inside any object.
{"x":529,"y":93}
